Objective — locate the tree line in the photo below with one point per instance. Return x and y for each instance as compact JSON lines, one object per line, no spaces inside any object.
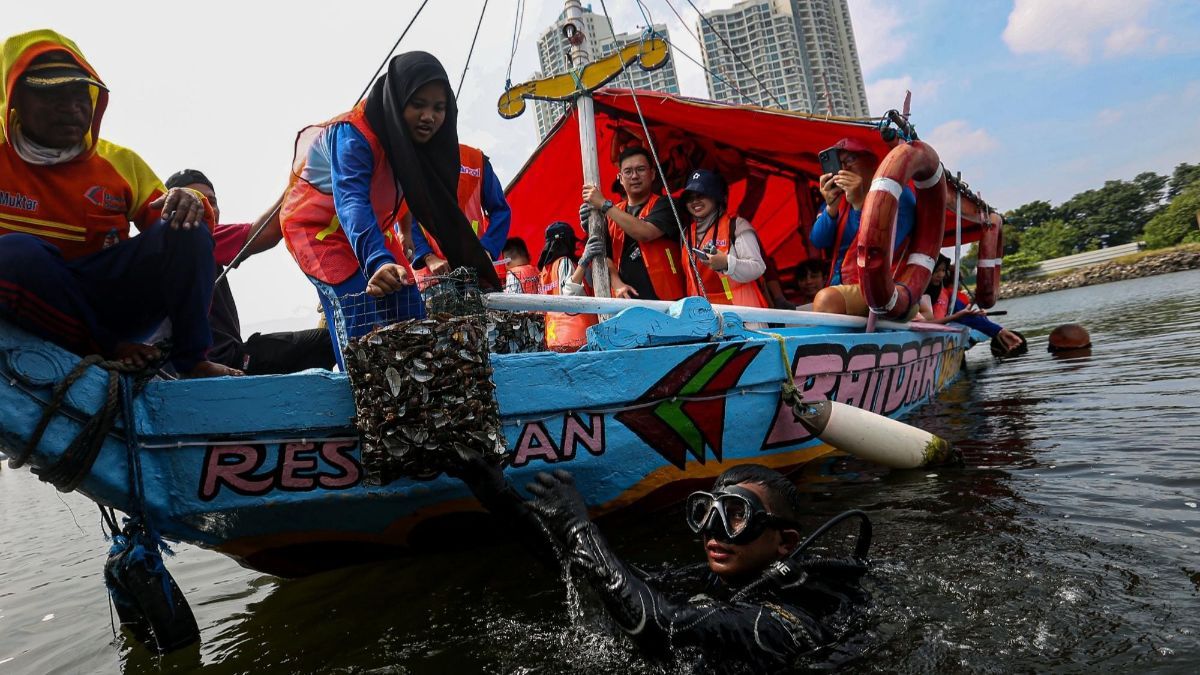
{"x":1160,"y":210}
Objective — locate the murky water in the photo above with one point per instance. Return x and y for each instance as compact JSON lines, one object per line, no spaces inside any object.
{"x":1069,"y":542}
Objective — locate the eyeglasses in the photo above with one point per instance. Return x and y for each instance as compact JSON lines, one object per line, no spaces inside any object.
{"x":743,"y":518}
{"x":635,"y":171}
{"x":848,"y":159}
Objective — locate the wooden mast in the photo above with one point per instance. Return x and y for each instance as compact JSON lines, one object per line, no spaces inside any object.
{"x":576,"y":38}
{"x":576,"y":86}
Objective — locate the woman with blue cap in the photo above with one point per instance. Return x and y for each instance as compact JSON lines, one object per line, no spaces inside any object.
{"x":560,"y":275}
{"x":725,"y":246}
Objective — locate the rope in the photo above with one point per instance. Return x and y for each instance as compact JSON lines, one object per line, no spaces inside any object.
{"x":735,"y":54}
{"x":657,"y":164}
{"x":391,"y":51}
{"x":700,"y":44}
{"x":518,"y":20}
{"x":241,"y":255}
{"x":81,"y":453}
{"x":471,"y":50}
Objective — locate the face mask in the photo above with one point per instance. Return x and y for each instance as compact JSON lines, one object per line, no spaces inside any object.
{"x":732,"y":514}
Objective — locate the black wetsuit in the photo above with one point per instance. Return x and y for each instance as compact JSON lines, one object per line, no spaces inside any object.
{"x":767,"y":625}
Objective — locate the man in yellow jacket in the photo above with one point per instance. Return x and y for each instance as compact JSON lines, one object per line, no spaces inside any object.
{"x":69,"y":270}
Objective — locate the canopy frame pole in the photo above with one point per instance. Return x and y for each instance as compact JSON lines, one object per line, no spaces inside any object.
{"x":957,"y":242}
{"x":576,"y":38}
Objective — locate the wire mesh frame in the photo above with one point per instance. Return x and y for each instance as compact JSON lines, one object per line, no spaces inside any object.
{"x":356,"y":314}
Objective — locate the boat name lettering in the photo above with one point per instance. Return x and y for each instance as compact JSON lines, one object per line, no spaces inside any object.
{"x":535,"y":441}
{"x":297,"y":468}
{"x":881,"y":379}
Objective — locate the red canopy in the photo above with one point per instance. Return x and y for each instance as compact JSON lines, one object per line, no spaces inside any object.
{"x":769,"y":158}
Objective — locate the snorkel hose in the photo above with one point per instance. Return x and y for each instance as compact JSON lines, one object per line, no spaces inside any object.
{"x":796,"y":567}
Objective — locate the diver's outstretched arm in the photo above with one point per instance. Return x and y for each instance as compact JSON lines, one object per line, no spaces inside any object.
{"x":765,"y":636}
{"x":487,"y":482}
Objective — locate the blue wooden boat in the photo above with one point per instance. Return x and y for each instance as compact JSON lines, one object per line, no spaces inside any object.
{"x":266,"y":469}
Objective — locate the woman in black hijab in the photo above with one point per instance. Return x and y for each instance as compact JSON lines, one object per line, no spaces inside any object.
{"x":423,"y":153}
{"x":340,"y":214}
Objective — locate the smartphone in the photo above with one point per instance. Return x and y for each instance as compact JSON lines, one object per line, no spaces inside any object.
{"x":700,"y":253}
{"x":830,"y":163}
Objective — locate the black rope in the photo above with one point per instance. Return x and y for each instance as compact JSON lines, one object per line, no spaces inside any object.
{"x":390,"y":52}
{"x":735,"y":54}
{"x":76,"y":461}
{"x":689,"y":57}
{"x":471,"y":50}
{"x":518,"y":20}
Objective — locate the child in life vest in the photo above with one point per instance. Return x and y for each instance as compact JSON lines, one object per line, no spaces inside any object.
{"x":561,"y":275}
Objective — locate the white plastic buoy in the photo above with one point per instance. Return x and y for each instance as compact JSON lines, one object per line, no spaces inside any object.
{"x":872,"y":437}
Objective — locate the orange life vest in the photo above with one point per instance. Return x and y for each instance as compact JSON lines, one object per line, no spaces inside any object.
{"x":528,"y":277}
{"x":564,"y":332}
{"x":719,"y":288}
{"x":311,"y":229}
{"x":941,"y":305}
{"x":661,"y":256}
{"x":470,"y":201}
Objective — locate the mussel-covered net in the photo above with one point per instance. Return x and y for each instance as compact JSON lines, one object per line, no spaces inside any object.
{"x":422,"y":387}
{"x":425,"y":397}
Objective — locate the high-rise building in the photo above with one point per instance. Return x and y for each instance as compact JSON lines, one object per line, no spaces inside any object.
{"x":552,"y":54}
{"x":795,"y":54}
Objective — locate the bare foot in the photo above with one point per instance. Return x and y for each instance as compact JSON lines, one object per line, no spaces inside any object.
{"x":136,"y":354}
{"x":210,"y":369}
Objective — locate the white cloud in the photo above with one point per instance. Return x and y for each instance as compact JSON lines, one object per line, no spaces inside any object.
{"x":1074,"y":28}
{"x":956,"y":140}
{"x":888,"y":94}
{"x":1109,"y":116}
{"x":1126,"y":40}
{"x":878,"y":33}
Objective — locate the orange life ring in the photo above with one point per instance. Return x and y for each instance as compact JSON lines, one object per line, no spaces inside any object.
{"x":919,"y":163}
{"x":987,"y":270}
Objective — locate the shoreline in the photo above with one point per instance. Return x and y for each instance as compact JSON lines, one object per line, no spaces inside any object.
{"x":1145,"y":264}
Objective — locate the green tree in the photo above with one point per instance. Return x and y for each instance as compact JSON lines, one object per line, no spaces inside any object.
{"x":1114,"y":214}
{"x":1178,"y":221}
{"x":1028,"y":215}
{"x":1051,"y":239}
{"x":1017,"y":265}
{"x":1184,"y":175}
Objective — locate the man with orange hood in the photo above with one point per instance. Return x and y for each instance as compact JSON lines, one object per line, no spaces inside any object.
{"x":69,"y":270}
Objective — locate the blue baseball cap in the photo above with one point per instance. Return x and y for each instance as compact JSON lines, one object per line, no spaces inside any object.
{"x":707,"y":183}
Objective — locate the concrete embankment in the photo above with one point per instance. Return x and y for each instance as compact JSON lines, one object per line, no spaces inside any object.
{"x":1132,"y":267}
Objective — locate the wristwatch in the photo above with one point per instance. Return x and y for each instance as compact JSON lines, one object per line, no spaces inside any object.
{"x":605,"y":206}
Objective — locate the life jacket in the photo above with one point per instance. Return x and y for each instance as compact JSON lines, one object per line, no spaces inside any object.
{"x":942,"y":308}
{"x":470,"y":200}
{"x":564,"y":332}
{"x":311,"y":229}
{"x":719,"y":288}
{"x":941,"y":305}
{"x":661,"y":256}
{"x":528,"y":278}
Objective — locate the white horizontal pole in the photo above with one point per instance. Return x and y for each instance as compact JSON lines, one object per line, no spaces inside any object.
{"x":521,"y":302}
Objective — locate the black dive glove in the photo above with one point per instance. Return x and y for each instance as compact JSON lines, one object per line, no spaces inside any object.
{"x":564,"y":514}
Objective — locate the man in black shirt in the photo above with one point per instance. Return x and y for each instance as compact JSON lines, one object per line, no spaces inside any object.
{"x":646,"y":261}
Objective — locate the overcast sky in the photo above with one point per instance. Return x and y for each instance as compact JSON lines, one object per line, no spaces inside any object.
{"x":1030,"y":99}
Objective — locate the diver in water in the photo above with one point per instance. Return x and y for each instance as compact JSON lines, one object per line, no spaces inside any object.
{"x":762,"y":603}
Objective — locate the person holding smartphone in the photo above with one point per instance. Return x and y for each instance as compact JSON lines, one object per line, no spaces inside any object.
{"x":848,"y":168}
{"x":729,"y":259}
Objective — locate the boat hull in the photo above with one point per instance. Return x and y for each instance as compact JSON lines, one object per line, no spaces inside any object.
{"x":267,"y":470}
